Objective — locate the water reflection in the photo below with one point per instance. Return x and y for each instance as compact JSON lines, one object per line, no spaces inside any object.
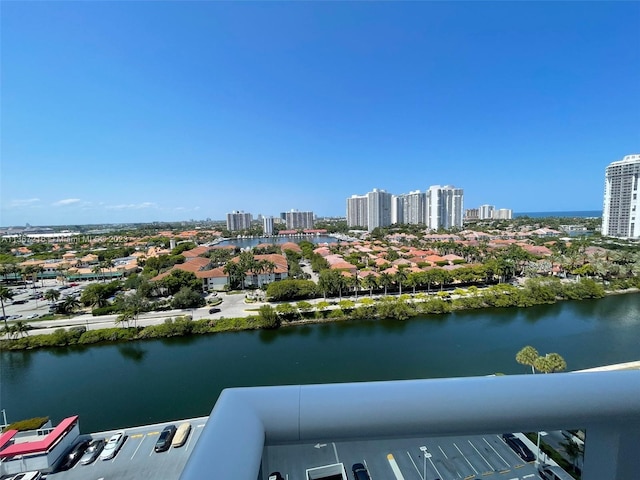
{"x":14,"y":365}
{"x":133,"y":351}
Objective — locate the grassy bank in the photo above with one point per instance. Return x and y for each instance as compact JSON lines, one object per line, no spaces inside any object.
{"x":534,"y":292}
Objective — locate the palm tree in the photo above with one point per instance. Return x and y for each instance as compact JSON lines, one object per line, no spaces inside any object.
{"x":52,"y":295}
{"x":126,"y":316}
{"x":21,"y":328}
{"x":386,"y":281}
{"x":573,"y":450}
{"x":528,"y":356}
{"x":369,"y":282}
{"x":69,"y":305}
{"x":5,"y":294}
{"x":97,"y":270}
{"x":399,"y":277}
{"x":38,"y":270}
{"x":550,"y":363}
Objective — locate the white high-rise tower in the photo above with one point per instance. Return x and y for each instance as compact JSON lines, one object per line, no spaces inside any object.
{"x":621,"y":202}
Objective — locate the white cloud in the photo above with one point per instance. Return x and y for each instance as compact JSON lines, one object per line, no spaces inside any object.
{"x":65,"y":202}
{"x":23,"y":202}
{"x":131,"y":206}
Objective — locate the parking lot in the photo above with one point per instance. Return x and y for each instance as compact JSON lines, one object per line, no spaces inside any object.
{"x":136,"y":458}
{"x":451,"y":458}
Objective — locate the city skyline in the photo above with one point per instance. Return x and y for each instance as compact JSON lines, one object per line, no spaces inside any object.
{"x":146,"y":111}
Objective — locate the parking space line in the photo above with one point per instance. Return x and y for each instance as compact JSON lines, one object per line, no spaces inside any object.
{"x":466,"y":459}
{"x":481,"y":456}
{"x":335,"y":451}
{"x":445,"y":455}
{"x":136,"y":451}
{"x":394,"y":467}
{"x":434,"y":467}
{"x":497,"y":453}
{"x":529,"y":476}
{"x":415,"y":466}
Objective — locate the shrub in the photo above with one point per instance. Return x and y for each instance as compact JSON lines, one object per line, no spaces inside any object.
{"x":96,"y":312}
{"x":27,"y":424}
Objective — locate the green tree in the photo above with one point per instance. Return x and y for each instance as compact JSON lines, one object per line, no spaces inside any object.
{"x":385,"y":280}
{"x":370,"y":282}
{"x":269,"y":317}
{"x":550,"y":363}
{"x":5,"y":294}
{"x":51,"y":295}
{"x":68,"y":306}
{"x":528,"y":356}
{"x":187,"y":298}
{"x":179,"y":279}
{"x":573,"y":450}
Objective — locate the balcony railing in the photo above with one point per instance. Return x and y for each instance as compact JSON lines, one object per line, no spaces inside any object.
{"x":605,"y":404}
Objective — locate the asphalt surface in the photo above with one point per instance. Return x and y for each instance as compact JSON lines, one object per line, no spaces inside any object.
{"x":451,"y":458}
{"x":137,"y":459}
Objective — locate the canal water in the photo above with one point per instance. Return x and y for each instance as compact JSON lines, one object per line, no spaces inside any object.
{"x":112,"y":386}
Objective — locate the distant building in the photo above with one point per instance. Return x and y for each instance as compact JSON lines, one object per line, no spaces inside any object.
{"x":267,"y":225}
{"x":486,"y":212}
{"x":415,"y":208}
{"x":397,"y":209}
{"x":238,"y":220}
{"x":444,"y":206}
{"x":472,"y":214}
{"x":503,"y":214}
{"x":299,"y":220}
{"x":621,"y":202}
{"x":378,"y":209}
{"x":357,"y":208}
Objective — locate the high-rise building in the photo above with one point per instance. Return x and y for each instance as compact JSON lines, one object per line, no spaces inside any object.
{"x":503,"y":214}
{"x":238,"y":220}
{"x":299,"y":220}
{"x":444,"y":207}
{"x":415,"y":208}
{"x":471,"y":214}
{"x":267,"y":225}
{"x":378,"y":209}
{"x":397,"y":209}
{"x":357,"y":208}
{"x":621,"y":202}
{"x":486,"y":212}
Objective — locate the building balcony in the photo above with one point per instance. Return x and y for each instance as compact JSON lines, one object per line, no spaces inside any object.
{"x":605,"y":404}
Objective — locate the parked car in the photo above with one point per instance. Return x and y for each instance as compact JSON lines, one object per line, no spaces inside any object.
{"x":164,"y":441}
{"x":113,"y":445}
{"x":214,"y":310}
{"x":360,"y":472}
{"x":275,"y":476}
{"x":31,"y":316}
{"x":92,"y":451}
{"x":27,"y":476}
{"x":73,"y":455}
{"x":181,"y":435}
{"x":519,"y":447}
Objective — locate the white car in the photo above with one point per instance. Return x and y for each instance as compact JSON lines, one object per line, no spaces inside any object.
{"x":113,"y":445}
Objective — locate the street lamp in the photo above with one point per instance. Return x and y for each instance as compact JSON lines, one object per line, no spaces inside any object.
{"x":540,"y":434}
{"x":425,"y":455}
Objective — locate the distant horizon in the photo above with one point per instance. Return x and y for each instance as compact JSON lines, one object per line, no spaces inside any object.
{"x":132,"y":112}
{"x":515,"y":215}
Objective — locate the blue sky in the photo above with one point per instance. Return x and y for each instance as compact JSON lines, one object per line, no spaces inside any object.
{"x":145,"y":111}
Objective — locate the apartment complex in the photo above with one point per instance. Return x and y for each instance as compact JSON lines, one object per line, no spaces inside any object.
{"x":621,"y":202}
{"x":238,"y":220}
{"x":357,"y":208}
{"x":296,"y":220}
{"x":267,"y":225}
{"x":438,"y":207}
{"x":488,"y":212}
